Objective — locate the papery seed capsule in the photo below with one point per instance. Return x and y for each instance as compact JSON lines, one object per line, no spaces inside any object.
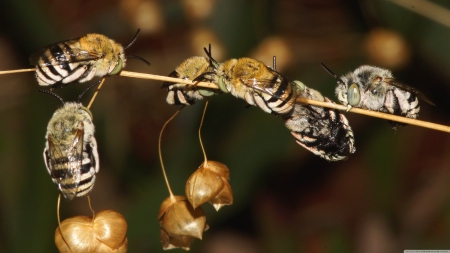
{"x":209,"y":183}
{"x":105,"y":233}
{"x":180,"y":223}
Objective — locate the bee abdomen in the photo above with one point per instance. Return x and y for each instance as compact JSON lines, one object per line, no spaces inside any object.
{"x":181,"y":95}
{"x":324,"y":132}
{"x":57,"y":66}
{"x":280,"y":102}
{"x":74,"y":183}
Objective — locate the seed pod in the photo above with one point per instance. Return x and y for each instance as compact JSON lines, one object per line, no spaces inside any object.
{"x":209,"y":183}
{"x":180,"y":223}
{"x":105,"y":233}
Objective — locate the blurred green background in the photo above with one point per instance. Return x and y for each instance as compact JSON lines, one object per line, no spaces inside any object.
{"x":391,"y":195}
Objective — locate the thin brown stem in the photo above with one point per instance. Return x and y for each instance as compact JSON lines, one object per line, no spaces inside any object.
{"x":172,"y":197}
{"x":95,"y":94}
{"x":90,"y":207}
{"x":167,"y":79}
{"x":59,"y":221}
{"x":380,"y":115}
{"x":205,"y":164}
{"x":6,"y":72}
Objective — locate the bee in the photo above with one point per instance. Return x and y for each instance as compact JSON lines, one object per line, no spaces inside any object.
{"x":80,"y":60}
{"x":190,"y":69}
{"x":70,"y":152}
{"x":376,"y":89}
{"x":322,"y":131}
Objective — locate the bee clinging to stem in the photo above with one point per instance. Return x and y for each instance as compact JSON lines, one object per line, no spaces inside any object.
{"x":70,"y":152}
{"x":80,"y":60}
{"x":190,"y":69}
{"x":322,"y":131}
{"x":376,"y":89}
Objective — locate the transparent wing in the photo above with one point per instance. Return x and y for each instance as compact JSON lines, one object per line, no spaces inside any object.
{"x":65,"y":165}
{"x":279,"y":87}
{"x":76,"y":54}
{"x":410,"y":89}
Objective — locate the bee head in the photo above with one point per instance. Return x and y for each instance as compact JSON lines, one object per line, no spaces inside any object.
{"x":347,"y":90}
{"x":122,"y":57}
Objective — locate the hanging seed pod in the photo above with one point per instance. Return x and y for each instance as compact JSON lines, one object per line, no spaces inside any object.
{"x":180,"y":223}
{"x":209,"y":183}
{"x":105,"y":233}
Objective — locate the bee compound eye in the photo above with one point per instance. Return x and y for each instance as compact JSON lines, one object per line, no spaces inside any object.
{"x":117,"y":69}
{"x":353,"y":95}
{"x":205,"y":92}
{"x":222,"y":85}
{"x":300,"y":85}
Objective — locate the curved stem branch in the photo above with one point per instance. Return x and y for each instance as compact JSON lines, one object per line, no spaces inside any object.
{"x":205,"y":163}
{"x":380,"y":115}
{"x":6,"y":72}
{"x":160,"y":153}
{"x":95,"y":94}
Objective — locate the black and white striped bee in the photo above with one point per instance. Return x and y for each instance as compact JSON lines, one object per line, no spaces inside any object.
{"x":80,"y":60}
{"x":190,"y":69}
{"x":375,"y":89}
{"x":322,"y":131}
{"x":70,"y":153}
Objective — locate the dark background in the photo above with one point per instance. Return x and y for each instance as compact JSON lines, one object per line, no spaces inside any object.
{"x":391,"y":195}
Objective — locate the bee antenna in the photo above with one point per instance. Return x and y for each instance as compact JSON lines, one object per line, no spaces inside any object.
{"x":134,"y":39}
{"x":274,"y":63}
{"x":139,"y":58}
{"x":90,"y":86}
{"x":331,"y":73}
{"x":211,"y":59}
{"x":53,"y":94}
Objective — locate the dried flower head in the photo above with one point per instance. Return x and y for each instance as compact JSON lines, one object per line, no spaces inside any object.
{"x":180,"y":223}
{"x":105,"y":233}
{"x":209,"y":183}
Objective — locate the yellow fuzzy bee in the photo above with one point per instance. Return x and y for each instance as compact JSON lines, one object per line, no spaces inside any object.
{"x":80,"y":60}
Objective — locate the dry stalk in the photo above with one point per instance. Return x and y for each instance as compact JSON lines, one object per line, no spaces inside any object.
{"x":376,"y":114}
{"x":380,"y":115}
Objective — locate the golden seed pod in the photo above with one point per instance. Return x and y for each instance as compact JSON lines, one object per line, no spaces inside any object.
{"x":105,"y":233}
{"x":180,"y":223}
{"x":210,"y":184}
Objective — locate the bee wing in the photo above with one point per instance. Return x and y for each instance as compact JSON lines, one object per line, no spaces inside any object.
{"x":65,"y":165}
{"x":279,"y":87}
{"x":72,"y":55}
{"x":410,"y":89}
{"x":75,"y":156}
{"x":267,"y":86}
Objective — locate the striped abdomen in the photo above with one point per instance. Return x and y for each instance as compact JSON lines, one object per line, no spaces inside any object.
{"x":280,"y":98}
{"x":324,"y":132}
{"x":57,"y":66}
{"x":74,"y":174}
